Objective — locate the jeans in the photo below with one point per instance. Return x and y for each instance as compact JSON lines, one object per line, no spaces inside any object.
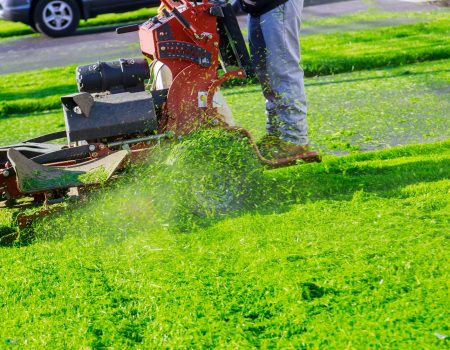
{"x":275,"y":50}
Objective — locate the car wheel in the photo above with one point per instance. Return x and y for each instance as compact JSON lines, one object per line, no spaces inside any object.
{"x":56,"y":18}
{"x":33,"y":27}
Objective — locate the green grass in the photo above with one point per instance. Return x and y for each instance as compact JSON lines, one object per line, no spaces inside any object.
{"x":13,"y":29}
{"x":347,"y":112}
{"x":116,"y":18}
{"x":18,"y":128}
{"x":351,"y":253}
{"x":382,"y":47}
{"x":201,"y":248}
{"x":365,"y":110}
{"x":38,"y":90}
{"x":16,"y":29}
{"x":322,"y":54}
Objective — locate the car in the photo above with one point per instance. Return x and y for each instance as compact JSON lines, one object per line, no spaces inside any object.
{"x":56,"y":18}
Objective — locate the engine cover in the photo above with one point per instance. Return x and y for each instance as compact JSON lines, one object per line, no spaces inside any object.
{"x":89,"y":117}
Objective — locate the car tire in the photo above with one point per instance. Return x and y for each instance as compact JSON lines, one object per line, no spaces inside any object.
{"x":56,"y":18}
{"x":33,"y":27}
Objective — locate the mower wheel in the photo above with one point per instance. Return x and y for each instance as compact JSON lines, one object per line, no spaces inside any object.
{"x":56,"y":18}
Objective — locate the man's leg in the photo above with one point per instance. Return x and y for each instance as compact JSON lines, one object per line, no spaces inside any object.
{"x":258,"y":53}
{"x":281,"y":30}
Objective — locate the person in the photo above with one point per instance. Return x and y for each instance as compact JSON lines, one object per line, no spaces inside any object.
{"x":274,"y":30}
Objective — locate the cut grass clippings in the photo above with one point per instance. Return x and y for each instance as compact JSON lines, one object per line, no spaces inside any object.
{"x":350,"y":251}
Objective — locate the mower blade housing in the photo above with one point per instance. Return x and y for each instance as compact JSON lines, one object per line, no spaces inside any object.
{"x":34,"y":178}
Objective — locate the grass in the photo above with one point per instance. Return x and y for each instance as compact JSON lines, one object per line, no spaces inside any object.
{"x":38,"y":90}
{"x":364,"y":110}
{"x":18,"y":128}
{"x":351,"y":253}
{"x":16,"y":29}
{"x":202,"y":248}
{"x":322,"y":54}
{"x":383,"y":47}
{"x":347,"y":112}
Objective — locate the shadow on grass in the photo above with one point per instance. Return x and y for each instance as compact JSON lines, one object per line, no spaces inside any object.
{"x":339,"y":183}
{"x":16,"y":32}
{"x":103,"y":28}
{"x":37,"y":93}
{"x":405,"y":73}
{"x":394,"y":76}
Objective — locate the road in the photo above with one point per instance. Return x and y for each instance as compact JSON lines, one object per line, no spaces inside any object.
{"x":91,"y":45}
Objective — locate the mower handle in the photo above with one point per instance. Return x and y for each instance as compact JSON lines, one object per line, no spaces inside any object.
{"x":183,"y":21}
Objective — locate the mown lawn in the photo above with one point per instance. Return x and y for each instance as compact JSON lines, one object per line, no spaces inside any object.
{"x":347,"y":112}
{"x":201,"y":247}
{"x":351,"y":253}
{"x":373,"y":48}
{"x":322,"y":54}
{"x":365,"y":110}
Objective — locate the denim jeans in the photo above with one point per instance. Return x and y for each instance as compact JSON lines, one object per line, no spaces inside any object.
{"x":275,"y":50}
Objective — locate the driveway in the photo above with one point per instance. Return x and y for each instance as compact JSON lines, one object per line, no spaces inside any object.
{"x":91,"y":45}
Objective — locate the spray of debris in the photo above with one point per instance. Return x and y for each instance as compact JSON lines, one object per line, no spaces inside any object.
{"x":205,"y":176}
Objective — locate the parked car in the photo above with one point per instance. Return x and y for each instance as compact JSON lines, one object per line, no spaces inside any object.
{"x":57,"y":18}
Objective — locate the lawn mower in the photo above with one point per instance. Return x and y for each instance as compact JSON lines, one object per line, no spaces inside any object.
{"x":115,"y":119}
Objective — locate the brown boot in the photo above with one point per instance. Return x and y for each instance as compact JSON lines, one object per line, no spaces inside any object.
{"x":277,"y":153}
{"x":288,"y":150}
{"x":268,"y":146}
{"x":271,"y":147}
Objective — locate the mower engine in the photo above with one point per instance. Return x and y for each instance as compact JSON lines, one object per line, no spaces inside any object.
{"x":112,"y":102}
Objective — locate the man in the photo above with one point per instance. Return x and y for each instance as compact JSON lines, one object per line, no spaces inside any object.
{"x":274,"y":29}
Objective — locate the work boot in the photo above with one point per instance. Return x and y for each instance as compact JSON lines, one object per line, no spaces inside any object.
{"x":289,"y":149}
{"x":271,"y":147}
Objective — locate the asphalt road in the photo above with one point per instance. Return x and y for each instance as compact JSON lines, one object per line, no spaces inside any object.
{"x":91,"y":45}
